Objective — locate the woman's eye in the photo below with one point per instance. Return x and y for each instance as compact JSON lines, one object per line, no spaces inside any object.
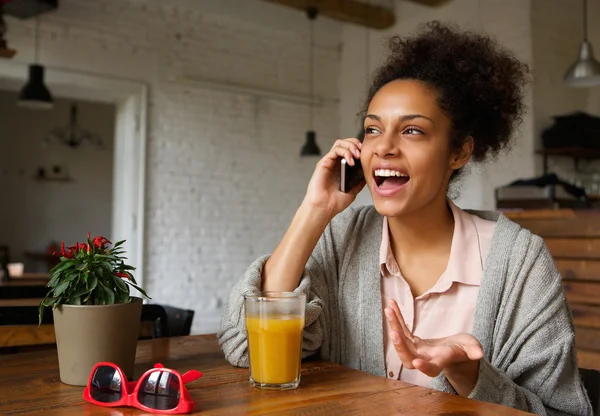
{"x":371,"y":130}
{"x":412,"y":131}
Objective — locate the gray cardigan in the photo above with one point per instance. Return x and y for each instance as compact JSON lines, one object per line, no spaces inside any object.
{"x":522,"y":318}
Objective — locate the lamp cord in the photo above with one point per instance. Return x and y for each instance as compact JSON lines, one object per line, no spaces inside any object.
{"x":311,"y":71}
{"x":585,"y":29}
{"x":37,"y":39}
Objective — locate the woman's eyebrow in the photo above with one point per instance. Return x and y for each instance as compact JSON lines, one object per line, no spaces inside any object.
{"x":404,"y":118}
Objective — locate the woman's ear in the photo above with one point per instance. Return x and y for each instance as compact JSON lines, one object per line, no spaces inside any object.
{"x":462,"y":156}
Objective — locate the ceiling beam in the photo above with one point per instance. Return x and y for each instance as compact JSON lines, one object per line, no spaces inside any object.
{"x":349,"y":11}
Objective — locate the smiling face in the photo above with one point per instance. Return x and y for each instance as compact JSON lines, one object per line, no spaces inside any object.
{"x":406,"y":153}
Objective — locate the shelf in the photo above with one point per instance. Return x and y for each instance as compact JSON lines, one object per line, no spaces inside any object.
{"x":575,"y":153}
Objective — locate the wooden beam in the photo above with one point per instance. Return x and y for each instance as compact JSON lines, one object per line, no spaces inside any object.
{"x":349,"y":11}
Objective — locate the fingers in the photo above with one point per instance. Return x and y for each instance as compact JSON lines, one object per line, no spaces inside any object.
{"x":404,"y":349}
{"x":400,"y":337}
{"x":474,"y":352}
{"x":443,"y":357}
{"x":349,"y":149}
{"x":394,"y":305}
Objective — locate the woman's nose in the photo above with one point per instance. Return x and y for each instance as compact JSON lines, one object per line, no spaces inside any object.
{"x":386,"y":145}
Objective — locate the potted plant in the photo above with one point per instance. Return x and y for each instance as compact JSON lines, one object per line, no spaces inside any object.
{"x":95,"y":317}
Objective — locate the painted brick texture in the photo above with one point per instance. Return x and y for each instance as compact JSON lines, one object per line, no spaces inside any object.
{"x":224,"y":175}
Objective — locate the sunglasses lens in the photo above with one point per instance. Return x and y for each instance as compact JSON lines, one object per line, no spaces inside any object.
{"x":160,"y":390}
{"x":106,"y":385}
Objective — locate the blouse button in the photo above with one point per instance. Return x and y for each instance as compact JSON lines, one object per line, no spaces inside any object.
{"x":391,"y":374}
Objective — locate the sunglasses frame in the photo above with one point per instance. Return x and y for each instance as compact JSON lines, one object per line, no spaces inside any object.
{"x":130,"y":389}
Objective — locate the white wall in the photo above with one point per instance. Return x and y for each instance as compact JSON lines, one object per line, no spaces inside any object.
{"x":594,"y":36}
{"x":34,"y":213}
{"x":557,"y":34}
{"x":224,"y":173}
{"x":508,"y":21}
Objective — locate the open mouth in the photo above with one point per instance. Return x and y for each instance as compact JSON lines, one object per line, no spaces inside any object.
{"x":388,"y":178}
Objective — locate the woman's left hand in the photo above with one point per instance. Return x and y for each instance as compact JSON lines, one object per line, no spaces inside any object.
{"x":457,"y":356}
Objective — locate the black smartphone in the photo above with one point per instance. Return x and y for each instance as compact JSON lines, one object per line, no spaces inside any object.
{"x":350,"y":176}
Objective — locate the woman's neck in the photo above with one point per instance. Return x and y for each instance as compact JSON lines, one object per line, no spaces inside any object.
{"x":429,"y":228}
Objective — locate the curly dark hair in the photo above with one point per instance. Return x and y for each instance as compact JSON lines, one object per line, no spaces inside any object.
{"x":478,"y":82}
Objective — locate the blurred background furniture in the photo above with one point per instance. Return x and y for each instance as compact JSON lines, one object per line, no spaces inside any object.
{"x":573,"y":238}
{"x":591,"y":381}
{"x":4,"y":260}
{"x":19,"y":324}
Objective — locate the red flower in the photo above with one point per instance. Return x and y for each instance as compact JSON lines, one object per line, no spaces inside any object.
{"x":67,"y":254}
{"x":100,"y":242}
{"x":122,"y":275}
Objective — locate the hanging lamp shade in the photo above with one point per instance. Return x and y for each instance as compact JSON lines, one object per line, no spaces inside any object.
{"x":585,"y":71}
{"x":35,"y":94}
{"x":310,"y":148}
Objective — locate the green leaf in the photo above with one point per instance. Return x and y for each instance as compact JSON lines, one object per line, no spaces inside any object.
{"x":110,"y":295}
{"x":63,"y":265}
{"x":98,"y":296}
{"x":80,"y":291}
{"x":72,"y":276}
{"x":48,"y":302}
{"x":61,"y":288}
{"x":140,"y":289}
{"x":120,"y":284}
{"x":106,"y":256}
{"x":122,"y":297}
{"x":40,"y":313}
{"x":92,"y":282}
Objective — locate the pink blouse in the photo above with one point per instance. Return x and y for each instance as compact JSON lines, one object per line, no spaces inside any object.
{"x":447,"y":308}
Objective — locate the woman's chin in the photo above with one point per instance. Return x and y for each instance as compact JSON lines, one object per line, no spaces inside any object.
{"x":389,"y":207}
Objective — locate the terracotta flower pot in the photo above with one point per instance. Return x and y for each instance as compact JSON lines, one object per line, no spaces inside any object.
{"x":88,"y":334}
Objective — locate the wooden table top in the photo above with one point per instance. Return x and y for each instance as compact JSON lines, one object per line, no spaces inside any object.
{"x":29,"y":384}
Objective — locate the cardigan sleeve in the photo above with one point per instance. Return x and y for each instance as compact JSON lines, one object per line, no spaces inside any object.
{"x":232,"y":333}
{"x":532,"y":365}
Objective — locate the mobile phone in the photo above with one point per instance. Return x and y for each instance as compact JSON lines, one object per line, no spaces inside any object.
{"x":350,"y":176}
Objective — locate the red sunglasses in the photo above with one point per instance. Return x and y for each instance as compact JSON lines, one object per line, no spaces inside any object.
{"x":159,"y":390}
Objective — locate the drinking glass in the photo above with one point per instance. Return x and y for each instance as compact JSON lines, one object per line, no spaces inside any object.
{"x":274,"y":325}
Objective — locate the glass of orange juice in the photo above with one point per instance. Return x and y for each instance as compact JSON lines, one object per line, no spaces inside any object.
{"x":274,"y":324}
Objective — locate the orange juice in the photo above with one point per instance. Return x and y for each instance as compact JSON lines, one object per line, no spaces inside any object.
{"x":275,"y":344}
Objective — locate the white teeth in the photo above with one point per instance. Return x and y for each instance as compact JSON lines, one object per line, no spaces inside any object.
{"x":387,"y":173}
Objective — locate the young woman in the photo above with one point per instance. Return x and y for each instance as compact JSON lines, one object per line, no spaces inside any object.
{"x":414,"y":288}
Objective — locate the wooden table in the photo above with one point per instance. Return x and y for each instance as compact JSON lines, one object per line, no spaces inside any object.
{"x":29,"y":384}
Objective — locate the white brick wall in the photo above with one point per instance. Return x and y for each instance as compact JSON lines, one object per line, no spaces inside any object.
{"x":224,"y":173}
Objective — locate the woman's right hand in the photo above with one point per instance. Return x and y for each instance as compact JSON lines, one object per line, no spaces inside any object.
{"x":324,"y":187}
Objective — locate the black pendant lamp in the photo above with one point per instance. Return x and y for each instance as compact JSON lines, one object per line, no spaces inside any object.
{"x":311,"y":148}
{"x":35,"y":94}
